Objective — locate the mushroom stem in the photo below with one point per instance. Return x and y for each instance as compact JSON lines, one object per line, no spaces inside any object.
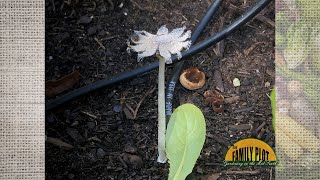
{"x":162,"y":158}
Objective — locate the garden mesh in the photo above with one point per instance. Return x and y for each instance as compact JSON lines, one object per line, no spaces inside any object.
{"x":22,"y":89}
{"x":300,"y":17}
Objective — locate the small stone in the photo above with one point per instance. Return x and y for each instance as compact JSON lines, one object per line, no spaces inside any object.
{"x":117,"y":108}
{"x":133,"y":160}
{"x":267,"y":84}
{"x":85,"y":20}
{"x":236,"y":82}
{"x":120,"y":5}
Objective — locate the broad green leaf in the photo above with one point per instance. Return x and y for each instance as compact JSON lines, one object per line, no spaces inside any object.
{"x":297,"y":51}
{"x":273,"y":106}
{"x":185,"y":137}
{"x":282,"y":23}
{"x":309,"y":10}
{"x":281,"y":41}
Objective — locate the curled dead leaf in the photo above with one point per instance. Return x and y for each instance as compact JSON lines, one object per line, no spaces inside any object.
{"x":55,"y":87}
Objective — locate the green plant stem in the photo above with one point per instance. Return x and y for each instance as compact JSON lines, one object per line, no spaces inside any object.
{"x":161,"y":113}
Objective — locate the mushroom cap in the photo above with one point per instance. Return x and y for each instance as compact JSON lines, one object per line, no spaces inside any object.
{"x":216,"y":99}
{"x":192,"y":78}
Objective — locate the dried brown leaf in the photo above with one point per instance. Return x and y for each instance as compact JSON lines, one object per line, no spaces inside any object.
{"x":55,"y":87}
{"x":59,"y":143}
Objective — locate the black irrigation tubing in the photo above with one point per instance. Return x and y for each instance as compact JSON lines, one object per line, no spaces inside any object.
{"x":139,"y":71}
{"x":178,"y":67}
{"x":212,"y":40}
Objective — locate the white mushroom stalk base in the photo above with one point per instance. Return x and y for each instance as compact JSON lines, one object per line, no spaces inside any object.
{"x":162,"y":158}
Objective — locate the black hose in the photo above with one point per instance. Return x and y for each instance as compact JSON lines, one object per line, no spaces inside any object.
{"x":178,"y":67}
{"x":207,"y":43}
{"x":135,"y":72}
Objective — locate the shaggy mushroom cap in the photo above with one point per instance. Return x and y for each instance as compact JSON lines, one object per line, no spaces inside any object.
{"x":164,"y":43}
{"x":192,"y":78}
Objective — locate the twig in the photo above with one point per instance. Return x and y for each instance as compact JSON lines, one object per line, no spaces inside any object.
{"x":100,"y":44}
{"x":111,"y":4}
{"x":261,"y":133}
{"x":219,"y":139}
{"x":244,"y":109}
{"x":137,"y":5}
{"x":267,"y":20}
{"x":53,"y":6}
{"x":251,"y":48}
{"x":242,"y":172}
{"x":130,"y":108}
{"x":219,"y":49}
{"x":90,"y":115}
{"x":261,"y":126}
{"x":261,"y":17}
{"x":122,"y":162}
{"x":108,"y":38}
{"x":140,"y":102}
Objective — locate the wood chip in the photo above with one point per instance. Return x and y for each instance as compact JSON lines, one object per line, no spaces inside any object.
{"x":59,"y":143}
{"x":232,"y":99}
{"x":75,"y":135}
{"x":240,"y":127}
{"x":90,"y":115}
{"x":219,"y":139}
{"x":248,"y":109}
{"x":218,"y":78}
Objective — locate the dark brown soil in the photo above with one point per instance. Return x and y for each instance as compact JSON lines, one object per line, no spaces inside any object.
{"x":90,"y":36}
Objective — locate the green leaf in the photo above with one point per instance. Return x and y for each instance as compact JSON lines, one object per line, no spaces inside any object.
{"x":282,"y":22}
{"x":281,"y":41}
{"x":185,"y":137}
{"x":273,"y":107}
{"x":297,"y":49}
{"x":309,"y":10}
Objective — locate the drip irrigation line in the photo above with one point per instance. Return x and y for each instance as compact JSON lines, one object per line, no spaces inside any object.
{"x":248,"y":15}
{"x":178,"y":67}
{"x":139,"y":71}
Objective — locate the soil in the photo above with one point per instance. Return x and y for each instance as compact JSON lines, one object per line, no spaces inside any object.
{"x":103,"y":140}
